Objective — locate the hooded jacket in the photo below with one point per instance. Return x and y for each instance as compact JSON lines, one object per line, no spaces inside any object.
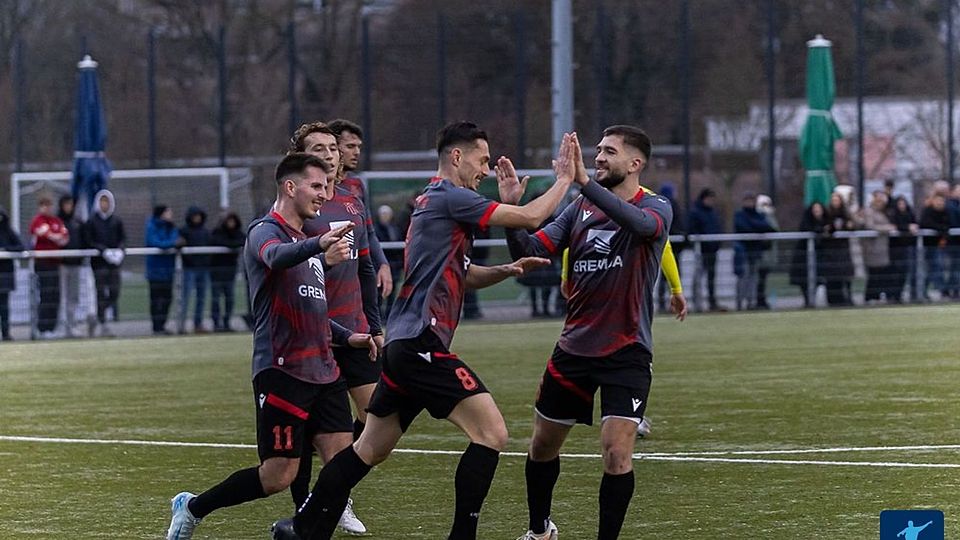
{"x":196,"y":235}
{"x":104,"y":230}
{"x":225,"y":265}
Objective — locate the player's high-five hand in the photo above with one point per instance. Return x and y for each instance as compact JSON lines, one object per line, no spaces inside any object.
{"x":581,"y":176}
{"x":511,"y":189}
{"x":564,"y":167}
{"x":365,"y":341}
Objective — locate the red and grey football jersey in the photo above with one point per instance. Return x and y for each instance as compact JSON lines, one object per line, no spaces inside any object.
{"x":346,"y":302}
{"x":615,"y":248}
{"x":436,"y":260}
{"x":285,"y":277}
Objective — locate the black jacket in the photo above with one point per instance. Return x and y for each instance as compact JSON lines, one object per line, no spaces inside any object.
{"x":103,"y":230}
{"x":196,"y":235}
{"x":226,"y":263}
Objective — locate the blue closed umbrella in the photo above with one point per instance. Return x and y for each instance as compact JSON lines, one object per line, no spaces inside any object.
{"x":91,"y":168}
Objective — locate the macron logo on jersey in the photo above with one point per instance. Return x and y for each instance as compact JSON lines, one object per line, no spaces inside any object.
{"x":601,"y":240}
{"x":586,"y":215}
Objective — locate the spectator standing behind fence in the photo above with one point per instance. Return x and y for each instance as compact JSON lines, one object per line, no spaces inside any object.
{"x":48,"y":233}
{"x":72,"y":267}
{"x":161,"y":233}
{"x":196,"y":270}
{"x":768,"y":260}
{"x":104,"y":232}
{"x":704,"y":219}
{"x":388,"y":231}
{"x":903,"y":255}
{"x":747,"y":253}
{"x":223,"y":270}
{"x":677,"y":227}
{"x":935,"y":216}
{"x":836,"y":265}
{"x":876,"y":251}
{"x":9,"y":241}
{"x":815,"y":221}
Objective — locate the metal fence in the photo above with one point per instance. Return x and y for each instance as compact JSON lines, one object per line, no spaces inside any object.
{"x":724,"y":272}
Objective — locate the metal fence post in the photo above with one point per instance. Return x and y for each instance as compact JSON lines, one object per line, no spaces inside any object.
{"x":812,"y":271}
{"x":920,"y":271}
{"x":697,"y":274}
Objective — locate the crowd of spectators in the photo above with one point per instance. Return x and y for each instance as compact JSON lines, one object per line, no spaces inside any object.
{"x":891,"y":259}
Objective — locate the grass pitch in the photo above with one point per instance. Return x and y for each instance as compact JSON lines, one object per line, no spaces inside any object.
{"x":743,"y":408}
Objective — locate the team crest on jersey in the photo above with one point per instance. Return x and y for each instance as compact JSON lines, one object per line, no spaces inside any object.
{"x":601,"y":239}
{"x":351,"y":208}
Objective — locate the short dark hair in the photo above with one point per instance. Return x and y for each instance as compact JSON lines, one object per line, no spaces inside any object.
{"x":296,"y":140}
{"x":458,"y":132}
{"x":632,"y":136}
{"x":340,"y":125}
{"x":296,"y":163}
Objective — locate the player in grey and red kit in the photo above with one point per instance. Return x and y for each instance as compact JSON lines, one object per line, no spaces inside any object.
{"x":297,"y":387}
{"x":419,"y":370}
{"x":616,"y":233}
{"x":352,"y":302}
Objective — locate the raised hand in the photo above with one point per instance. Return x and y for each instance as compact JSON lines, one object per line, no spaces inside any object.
{"x":581,"y":176}
{"x":511,"y":189}
{"x":564,"y":166}
{"x":335,"y":246}
{"x":334,"y":235}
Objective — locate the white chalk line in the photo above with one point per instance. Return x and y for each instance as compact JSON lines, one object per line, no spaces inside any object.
{"x":701,"y":457}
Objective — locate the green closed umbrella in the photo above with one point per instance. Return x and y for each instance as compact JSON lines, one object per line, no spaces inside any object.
{"x":820,"y":131}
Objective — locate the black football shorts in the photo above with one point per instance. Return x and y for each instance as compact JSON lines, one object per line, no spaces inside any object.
{"x":356,"y":367}
{"x":420,"y":373}
{"x":290,"y":410}
{"x":570,"y":382}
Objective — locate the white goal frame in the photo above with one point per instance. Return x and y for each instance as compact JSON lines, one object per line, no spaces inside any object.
{"x":60,"y":176}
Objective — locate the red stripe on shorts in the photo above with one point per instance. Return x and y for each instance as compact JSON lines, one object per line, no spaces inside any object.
{"x":567,"y":383}
{"x":287,"y":407}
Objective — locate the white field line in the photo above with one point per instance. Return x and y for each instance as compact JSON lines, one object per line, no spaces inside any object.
{"x":703,"y":457}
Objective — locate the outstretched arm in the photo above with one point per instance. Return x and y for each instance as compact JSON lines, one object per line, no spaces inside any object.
{"x":479,"y":277}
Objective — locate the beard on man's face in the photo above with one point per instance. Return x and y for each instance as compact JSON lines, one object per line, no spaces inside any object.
{"x":612,"y":179}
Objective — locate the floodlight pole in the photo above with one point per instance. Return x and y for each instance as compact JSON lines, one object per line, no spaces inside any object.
{"x":771,"y":100}
{"x":20,"y":107}
{"x":948,"y":8}
{"x":861,"y":174}
{"x":562,"y":70}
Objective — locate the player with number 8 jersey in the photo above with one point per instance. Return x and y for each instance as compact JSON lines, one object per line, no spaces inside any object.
{"x":419,"y":371}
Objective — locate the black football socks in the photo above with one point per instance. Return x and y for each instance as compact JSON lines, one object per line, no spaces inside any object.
{"x":474,"y":476}
{"x":319,"y":515}
{"x":300,"y":487}
{"x":239,"y":487}
{"x":541,"y":478}
{"x":616,"y":490}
